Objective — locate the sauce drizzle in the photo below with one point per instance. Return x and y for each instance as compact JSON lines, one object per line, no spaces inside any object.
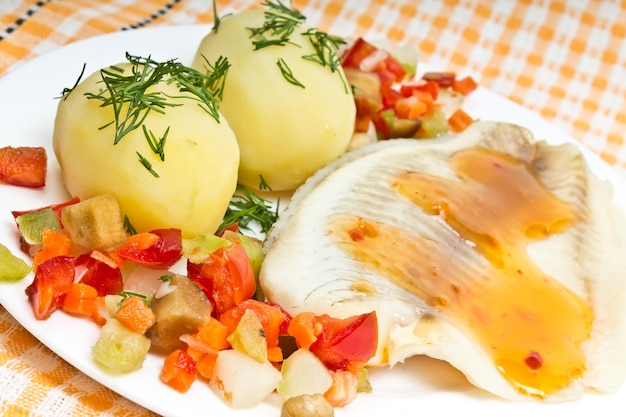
{"x":526,"y":321}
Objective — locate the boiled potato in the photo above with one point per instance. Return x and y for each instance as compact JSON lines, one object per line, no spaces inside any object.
{"x":189,"y":189}
{"x":285,"y":132}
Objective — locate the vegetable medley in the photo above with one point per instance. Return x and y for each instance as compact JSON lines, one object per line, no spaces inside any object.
{"x":195,"y":300}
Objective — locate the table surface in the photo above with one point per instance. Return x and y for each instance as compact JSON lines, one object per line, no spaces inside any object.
{"x":565,"y":60}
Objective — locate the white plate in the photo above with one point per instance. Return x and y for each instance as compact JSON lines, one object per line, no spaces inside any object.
{"x":422,"y":385}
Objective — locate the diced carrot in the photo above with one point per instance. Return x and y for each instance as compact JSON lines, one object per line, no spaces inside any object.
{"x":459,"y":120}
{"x":275,"y":354}
{"x":54,"y":243}
{"x":410,"y":108}
{"x":464,"y":85}
{"x":141,"y":241}
{"x":179,"y":371}
{"x":206,"y":365}
{"x":214,"y":334}
{"x":135,"y":314}
{"x":343,"y":388}
{"x":305,"y":329}
{"x":82,"y":300}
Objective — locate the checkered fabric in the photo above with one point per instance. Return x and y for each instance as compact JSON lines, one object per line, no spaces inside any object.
{"x":565,"y":60}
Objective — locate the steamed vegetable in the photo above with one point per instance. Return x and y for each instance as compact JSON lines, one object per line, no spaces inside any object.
{"x":151,"y":134}
{"x":285,"y":97}
{"x":23,"y":166}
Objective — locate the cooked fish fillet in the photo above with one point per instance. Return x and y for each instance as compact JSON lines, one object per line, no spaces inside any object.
{"x":498,"y":254}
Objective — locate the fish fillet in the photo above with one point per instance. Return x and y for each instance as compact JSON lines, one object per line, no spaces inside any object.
{"x":499,"y":254}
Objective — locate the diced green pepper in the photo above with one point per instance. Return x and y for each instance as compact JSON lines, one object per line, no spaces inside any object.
{"x":433,"y":125}
{"x":12,"y":268}
{"x":33,"y":223}
{"x":198,"y":249}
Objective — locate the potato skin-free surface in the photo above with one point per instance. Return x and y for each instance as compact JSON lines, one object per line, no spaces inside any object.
{"x":196,"y":179}
{"x":285,"y":132}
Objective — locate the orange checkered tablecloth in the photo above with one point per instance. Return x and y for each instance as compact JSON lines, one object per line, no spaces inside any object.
{"x":565,"y":60}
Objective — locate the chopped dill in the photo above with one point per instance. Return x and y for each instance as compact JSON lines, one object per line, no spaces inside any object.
{"x":247,"y":209}
{"x":130,"y":229}
{"x":131,"y":95}
{"x":287,"y":73}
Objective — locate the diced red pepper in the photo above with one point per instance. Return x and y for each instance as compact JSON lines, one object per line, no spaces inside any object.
{"x":226,"y":277}
{"x":53,"y":279}
{"x":179,"y":370}
{"x":430,"y":87}
{"x":388,"y":69}
{"x":346,"y":344}
{"x":24,"y":166}
{"x":443,"y":79}
{"x":100,"y":275}
{"x":360,"y":50}
{"x":160,"y":253}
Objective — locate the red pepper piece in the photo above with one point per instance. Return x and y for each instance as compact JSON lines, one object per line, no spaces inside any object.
{"x":24,"y":166}
{"x":226,"y":277}
{"x":53,"y":279}
{"x":101,"y":276}
{"x":346,"y":344}
{"x":165,"y":251}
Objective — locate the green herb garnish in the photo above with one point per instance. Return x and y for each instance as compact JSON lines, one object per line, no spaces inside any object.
{"x":287,"y":73}
{"x":128,"y":294}
{"x":127,"y":92}
{"x":325,"y":47}
{"x":130,"y":229}
{"x":247,"y":208}
{"x":280,"y":22}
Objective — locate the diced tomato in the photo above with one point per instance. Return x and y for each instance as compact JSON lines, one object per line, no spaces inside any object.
{"x":271,"y":317}
{"x":226,"y":277}
{"x":24,"y":166}
{"x":100,"y":275}
{"x":346,"y":344}
{"x":53,"y":279}
{"x":179,"y":370}
{"x":159,"y":253}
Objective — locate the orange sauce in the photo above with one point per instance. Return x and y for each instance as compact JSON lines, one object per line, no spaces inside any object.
{"x":527,"y":322}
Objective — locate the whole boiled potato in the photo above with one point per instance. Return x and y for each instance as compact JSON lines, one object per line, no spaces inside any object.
{"x":189,"y":189}
{"x":285,"y":131}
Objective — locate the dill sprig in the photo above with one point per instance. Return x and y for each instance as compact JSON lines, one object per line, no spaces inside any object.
{"x":128,"y":294}
{"x":132,"y":96}
{"x":247,"y":209}
{"x":279,"y":24}
{"x":325,"y":47}
{"x":288,"y":74}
